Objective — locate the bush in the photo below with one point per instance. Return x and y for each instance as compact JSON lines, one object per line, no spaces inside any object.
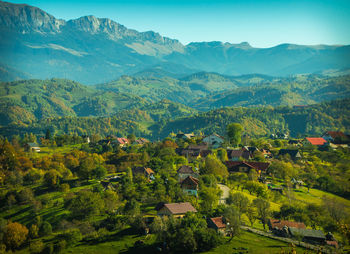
{"x":45,"y":229}
{"x":36,"y":246}
{"x":48,"y":249}
{"x":64,"y":187}
{"x":72,"y":236}
{"x":60,"y":246}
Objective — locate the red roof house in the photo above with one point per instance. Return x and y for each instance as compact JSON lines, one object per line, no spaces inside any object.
{"x":315,"y":141}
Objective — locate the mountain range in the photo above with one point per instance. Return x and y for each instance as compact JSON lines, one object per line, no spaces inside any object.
{"x":97,"y":50}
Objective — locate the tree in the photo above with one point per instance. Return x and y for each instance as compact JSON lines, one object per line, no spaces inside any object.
{"x":48,"y":134}
{"x":263,"y":209}
{"x":15,"y":235}
{"x":233,"y":222}
{"x":209,"y":198}
{"x":234,"y":133}
{"x":52,"y":178}
{"x":45,"y":229}
{"x":85,"y":204}
{"x":251,"y":214}
{"x":239,"y":201}
{"x":214,"y":166}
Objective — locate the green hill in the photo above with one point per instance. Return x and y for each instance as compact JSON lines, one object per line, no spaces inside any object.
{"x":31,"y":100}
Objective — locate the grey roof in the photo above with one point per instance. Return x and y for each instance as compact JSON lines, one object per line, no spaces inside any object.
{"x":33,"y":144}
{"x":307,"y":233}
{"x":185,"y":170}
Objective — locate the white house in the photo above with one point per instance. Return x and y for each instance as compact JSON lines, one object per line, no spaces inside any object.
{"x":214,"y":140}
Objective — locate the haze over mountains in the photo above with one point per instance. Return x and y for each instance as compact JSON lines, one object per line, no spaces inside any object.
{"x":91,"y":50}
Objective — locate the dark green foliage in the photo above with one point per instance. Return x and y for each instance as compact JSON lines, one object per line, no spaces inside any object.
{"x":85,"y":204}
{"x":45,"y":229}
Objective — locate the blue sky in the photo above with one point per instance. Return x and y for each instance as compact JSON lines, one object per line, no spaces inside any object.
{"x":261,"y":23}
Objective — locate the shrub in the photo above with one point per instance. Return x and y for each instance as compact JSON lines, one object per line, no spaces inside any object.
{"x":36,"y":246}
{"x":64,"y":187}
{"x":45,"y":229}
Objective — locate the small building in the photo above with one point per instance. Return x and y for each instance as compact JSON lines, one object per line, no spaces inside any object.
{"x":175,"y":209}
{"x":190,"y":185}
{"x":121,"y":141}
{"x":32,"y":147}
{"x":246,"y":167}
{"x":192,"y":153}
{"x":214,"y":140}
{"x":308,"y":235}
{"x":294,"y":142}
{"x":294,"y":154}
{"x":217,"y":223}
{"x":86,"y":138}
{"x":336,"y":137}
{"x":147,"y":172}
{"x":185,"y":171}
{"x":314,"y":141}
{"x":236,"y":155}
{"x":140,"y":141}
{"x":279,"y":224}
{"x":281,"y":227}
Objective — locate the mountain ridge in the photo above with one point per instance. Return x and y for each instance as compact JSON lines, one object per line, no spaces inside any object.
{"x":95,"y":50}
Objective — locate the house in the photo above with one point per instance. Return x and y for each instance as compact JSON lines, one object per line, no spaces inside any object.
{"x":236,"y":155}
{"x":336,"y":137}
{"x":314,"y":141}
{"x":190,"y":185}
{"x":186,"y":171}
{"x":294,"y":154}
{"x":192,"y":154}
{"x":120,"y":141}
{"x":175,"y":209}
{"x":279,"y":224}
{"x":217,"y":223}
{"x":308,"y":235}
{"x":108,"y":186}
{"x":246,"y":167}
{"x":214,"y":140}
{"x":140,"y":141}
{"x":297,"y":183}
{"x":185,"y":136}
{"x":86,"y":138}
{"x":250,"y":149}
{"x":147,"y":172}
{"x":281,"y":227}
{"x":32,"y":147}
{"x":293,"y":142}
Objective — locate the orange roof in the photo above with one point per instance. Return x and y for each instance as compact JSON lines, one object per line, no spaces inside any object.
{"x":281,"y":223}
{"x":316,"y":141}
{"x":218,"y":221}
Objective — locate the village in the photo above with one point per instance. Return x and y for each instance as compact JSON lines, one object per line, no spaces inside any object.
{"x":254,"y":169}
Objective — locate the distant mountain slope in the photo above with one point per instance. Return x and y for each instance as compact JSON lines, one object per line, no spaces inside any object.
{"x":262,"y":121}
{"x":299,"y":90}
{"x":31,"y":100}
{"x":95,"y":50}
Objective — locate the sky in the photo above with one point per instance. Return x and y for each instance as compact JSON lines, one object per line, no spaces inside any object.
{"x":261,"y":23}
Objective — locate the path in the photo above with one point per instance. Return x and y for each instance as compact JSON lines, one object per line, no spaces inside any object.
{"x":225,"y":193}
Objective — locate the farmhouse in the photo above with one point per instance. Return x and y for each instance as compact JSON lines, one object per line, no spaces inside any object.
{"x":336,"y":137}
{"x":308,"y":235}
{"x":214,"y":140}
{"x":190,"y":185}
{"x":175,"y":209}
{"x":186,"y":171}
{"x":245,"y":167}
{"x":236,"y":155}
{"x":147,"y":172}
{"x":217,"y":223}
{"x":314,"y":141}
{"x":32,"y":147}
{"x":294,"y":154}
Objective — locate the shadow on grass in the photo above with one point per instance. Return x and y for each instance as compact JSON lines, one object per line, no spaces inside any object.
{"x":114,"y":237}
{"x":26,"y":209}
